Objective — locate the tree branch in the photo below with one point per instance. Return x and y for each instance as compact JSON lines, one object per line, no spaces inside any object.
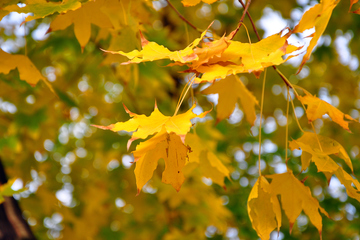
{"x":182,"y":17}
{"x":233,"y":33}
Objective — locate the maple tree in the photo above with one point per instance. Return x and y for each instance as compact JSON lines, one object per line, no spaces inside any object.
{"x":173,"y":90}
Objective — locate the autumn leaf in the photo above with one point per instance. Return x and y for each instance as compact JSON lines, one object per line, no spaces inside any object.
{"x":152,"y":51}
{"x":167,"y":146}
{"x":209,"y":164}
{"x":27,"y":70}
{"x":247,"y":58}
{"x":309,"y":144}
{"x":189,"y":3}
{"x":43,"y":8}
{"x":145,"y":126}
{"x":231,"y":90}
{"x":318,"y":16}
{"x":219,"y":58}
{"x":82,"y":18}
{"x":316,"y":108}
{"x":263,"y":209}
{"x":295,"y":198}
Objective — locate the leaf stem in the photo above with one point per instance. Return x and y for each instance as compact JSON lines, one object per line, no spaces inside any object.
{"x":233,"y":33}
{"x":287,"y":124}
{"x":293,"y":106}
{"x":252,"y":22}
{"x":182,"y":95}
{"x":182,"y":17}
{"x":261,"y":110}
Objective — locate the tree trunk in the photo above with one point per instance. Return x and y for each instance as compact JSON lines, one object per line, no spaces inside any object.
{"x":12,"y":224}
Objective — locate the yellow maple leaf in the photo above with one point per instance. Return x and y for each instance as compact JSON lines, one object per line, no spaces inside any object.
{"x":27,"y":70}
{"x":316,"y":108}
{"x":231,"y":90}
{"x":189,"y":3}
{"x":246,"y":58}
{"x":152,"y":51}
{"x":309,"y":142}
{"x":82,"y":18}
{"x":263,"y":209}
{"x":144,"y":126}
{"x":219,"y":58}
{"x":310,"y":147}
{"x":204,"y":159}
{"x":296,"y":197}
{"x":167,"y":146}
{"x":318,"y":16}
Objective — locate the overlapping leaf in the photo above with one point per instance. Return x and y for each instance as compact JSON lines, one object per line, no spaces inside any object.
{"x":309,"y":144}
{"x":316,"y":108}
{"x":231,"y":90}
{"x":152,"y":51}
{"x":263,"y":209}
{"x":246,"y":58}
{"x":295,"y":198}
{"x":318,"y":16}
{"x":219,"y":58}
{"x":167,"y":146}
{"x":210,"y":165}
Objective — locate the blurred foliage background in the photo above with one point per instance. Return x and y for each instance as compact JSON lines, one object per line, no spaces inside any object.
{"x":80,"y":179}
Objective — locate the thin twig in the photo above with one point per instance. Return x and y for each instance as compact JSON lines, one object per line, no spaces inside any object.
{"x":233,"y":33}
{"x":182,"y":17}
{"x":252,"y":22}
{"x":287,"y":125}
{"x":261,"y":112}
{"x":258,"y":36}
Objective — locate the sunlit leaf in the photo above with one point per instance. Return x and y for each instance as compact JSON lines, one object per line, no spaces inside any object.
{"x":316,"y":108}
{"x":145,"y":126}
{"x":168,"y":147}
{"x":295,"y":198}
{"x":318,"y":16}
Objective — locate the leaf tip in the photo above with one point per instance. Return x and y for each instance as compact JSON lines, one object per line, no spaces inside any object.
{"x":144,"y":41}
{"x":103,"y":127}
{"x":291,"y":227}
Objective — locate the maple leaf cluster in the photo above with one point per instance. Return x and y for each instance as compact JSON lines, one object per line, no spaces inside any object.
{"x":215,"y":61}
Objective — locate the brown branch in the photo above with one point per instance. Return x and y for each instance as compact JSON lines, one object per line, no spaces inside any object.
{"x":250,"y":18}
{"x":258,"y":36}
{"x":233,"y":33}
{"x":182,"y":17}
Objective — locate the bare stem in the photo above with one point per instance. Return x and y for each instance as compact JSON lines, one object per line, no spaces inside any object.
{"x":287,"y":124}
{"x":182,"y":17}
{"x":252,"y":22}
{"x":293,"y":106}
{"x":261,"y":110}
{"x":184,"y":92}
